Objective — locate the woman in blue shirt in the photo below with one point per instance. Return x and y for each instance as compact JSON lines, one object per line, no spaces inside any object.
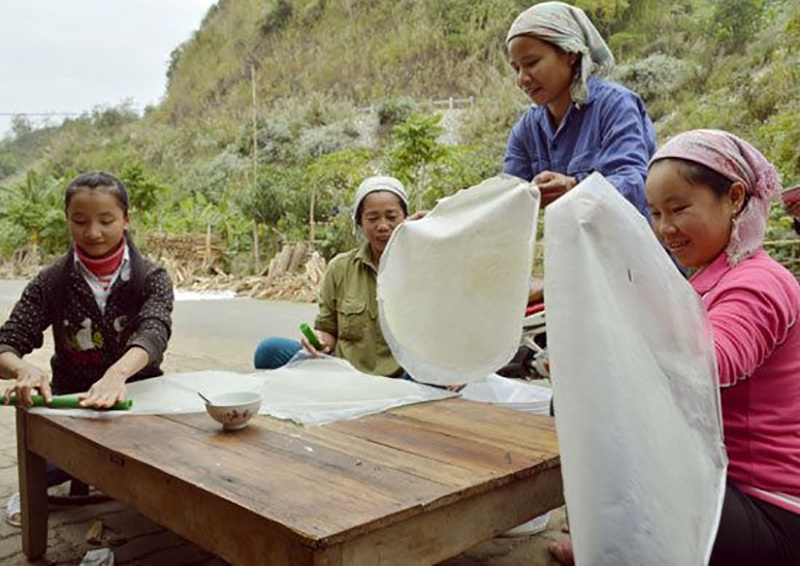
{"x":579,"y":123}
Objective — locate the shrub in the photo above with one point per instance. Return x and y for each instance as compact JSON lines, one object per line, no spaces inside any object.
{"x":781,"y":141}
{"x":12,"y":237}
{"x":276,"y":137}
{"x":460,"y":168}
{"x":212,"y":178}
{"x":113,"y":117}
{"x":337,"y":235}
{"x":655,"y":76}
{"x":335,"y":178}
{"x":276,"y":14}
{"x":144,"y":191}
{"x":278,"y":194}
{"x":733,"y":22}
{"x":396,"y":110}
{"x":8,"y":164}
{"x":490,"y":121}
{"x":316,"y":142}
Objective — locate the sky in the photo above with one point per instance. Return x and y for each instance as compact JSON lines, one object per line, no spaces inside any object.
{"x":74,"y":55}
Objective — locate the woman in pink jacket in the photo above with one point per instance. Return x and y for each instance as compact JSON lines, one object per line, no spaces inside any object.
{"x":709,"y":193}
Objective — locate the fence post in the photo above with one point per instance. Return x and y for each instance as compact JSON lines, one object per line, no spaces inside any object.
{"x":207,"y":258}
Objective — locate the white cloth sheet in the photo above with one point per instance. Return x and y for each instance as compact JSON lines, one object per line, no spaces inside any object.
{"x":307,"y":391}
{"x":634,"y":386}
{"x":452,"y":287}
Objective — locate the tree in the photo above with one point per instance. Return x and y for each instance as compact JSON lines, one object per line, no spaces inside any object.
{"x":275,"y":194}
{"x":37,"y":207}
{"x":8,"y":164}
{"x":144,"y":191}
{"x":331,"y":179}
{"x":414,"y":150}
{"x":21,"y":126}
{"x":605,"y":14}
{"x":735,"y":21}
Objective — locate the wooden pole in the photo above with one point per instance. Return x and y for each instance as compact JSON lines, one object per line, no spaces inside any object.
{"x":207,"y":258}
{"x":311,"y":216}
{"x":255,"y":127}
{"x":421,"y":183}
{"x":256,"y":254}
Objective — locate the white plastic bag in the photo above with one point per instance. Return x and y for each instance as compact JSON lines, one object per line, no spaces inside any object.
{"x":98,"y":557}
{"x":452,"y":287}
{"x":634,"y":387}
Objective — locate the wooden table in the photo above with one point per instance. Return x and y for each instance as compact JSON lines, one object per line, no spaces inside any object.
{"x":414,"y":485}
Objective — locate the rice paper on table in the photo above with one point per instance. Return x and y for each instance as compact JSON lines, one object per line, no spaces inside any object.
{"x":307,"y":391}
{"x":634,"y":386}
{"x":452,"y":287}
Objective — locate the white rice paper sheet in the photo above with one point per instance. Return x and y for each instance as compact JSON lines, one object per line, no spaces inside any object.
{"x":634,"y":385}
{"x":307,"y":391}
{"x":509,"y":393}
{"x":452,"y":287}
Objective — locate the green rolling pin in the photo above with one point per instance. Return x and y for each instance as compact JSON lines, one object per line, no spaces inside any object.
{"x":311,"y":336}
{"x":70,"y":402}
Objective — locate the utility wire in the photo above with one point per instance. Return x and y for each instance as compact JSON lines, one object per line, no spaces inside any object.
{"x":40,"y":113}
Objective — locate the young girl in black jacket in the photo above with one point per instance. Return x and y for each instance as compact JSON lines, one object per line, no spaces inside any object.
{"x":109,"y":307}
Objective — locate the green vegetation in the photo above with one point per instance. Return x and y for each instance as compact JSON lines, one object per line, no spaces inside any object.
{"x":190,"y":163}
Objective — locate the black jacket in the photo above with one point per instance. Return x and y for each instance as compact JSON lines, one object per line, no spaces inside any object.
{"x":87,"y":342}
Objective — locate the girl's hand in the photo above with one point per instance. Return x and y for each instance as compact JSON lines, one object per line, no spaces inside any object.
{"x":553,"y":185}
{"x":104,"y":392}
{"x":29,"y":378}
{"x":327,"y":340}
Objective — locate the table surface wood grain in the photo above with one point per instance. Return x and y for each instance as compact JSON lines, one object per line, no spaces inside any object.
{"x":414,"y":485}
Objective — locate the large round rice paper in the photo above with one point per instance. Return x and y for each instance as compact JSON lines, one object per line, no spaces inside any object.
{"x":452,"y":287}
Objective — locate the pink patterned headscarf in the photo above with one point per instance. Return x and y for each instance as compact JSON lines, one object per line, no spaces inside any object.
{"x":737,"y":160}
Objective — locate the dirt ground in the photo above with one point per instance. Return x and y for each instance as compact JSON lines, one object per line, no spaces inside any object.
{"x":206,"y":334}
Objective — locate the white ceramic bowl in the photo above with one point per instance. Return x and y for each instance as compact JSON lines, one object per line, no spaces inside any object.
{"x":234,"y":410}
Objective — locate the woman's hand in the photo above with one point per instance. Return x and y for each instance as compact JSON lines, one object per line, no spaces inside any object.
{"x":327,"y":340}
{"x":553,"y":185}
{"x":29,"y":378}
{"x":418,"y":215}
{"x":104,"y":392}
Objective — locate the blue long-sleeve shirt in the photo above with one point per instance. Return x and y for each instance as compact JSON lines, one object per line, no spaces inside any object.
{"x":610,"y":133}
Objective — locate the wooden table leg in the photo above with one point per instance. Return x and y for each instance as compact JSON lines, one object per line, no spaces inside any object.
{"x":33,"y":492}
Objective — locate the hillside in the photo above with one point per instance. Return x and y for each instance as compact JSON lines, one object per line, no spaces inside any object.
{"x":730,"y":64}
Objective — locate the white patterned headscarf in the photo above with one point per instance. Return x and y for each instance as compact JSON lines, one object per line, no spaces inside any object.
{"x":736,"y":160}
{"x":570,"y":29}
{"x":375,"y":184}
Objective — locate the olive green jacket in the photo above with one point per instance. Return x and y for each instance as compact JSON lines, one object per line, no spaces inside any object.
{"x":348,"y":309}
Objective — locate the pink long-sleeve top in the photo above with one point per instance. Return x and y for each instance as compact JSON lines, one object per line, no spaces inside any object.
{"x":753,"y":309}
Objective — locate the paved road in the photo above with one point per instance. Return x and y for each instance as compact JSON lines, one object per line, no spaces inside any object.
{"x":206,"y":335}
{"x":214,"y":334}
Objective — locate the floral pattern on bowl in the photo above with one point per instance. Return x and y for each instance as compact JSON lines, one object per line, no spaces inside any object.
{"x":234,"y":410}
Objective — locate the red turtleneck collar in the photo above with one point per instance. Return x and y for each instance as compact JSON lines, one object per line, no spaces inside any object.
{"x":105,"y":265}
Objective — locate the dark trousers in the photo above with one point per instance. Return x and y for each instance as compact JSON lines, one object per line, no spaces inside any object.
{"x":56,"y":476}
{"x":752,"y":531}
